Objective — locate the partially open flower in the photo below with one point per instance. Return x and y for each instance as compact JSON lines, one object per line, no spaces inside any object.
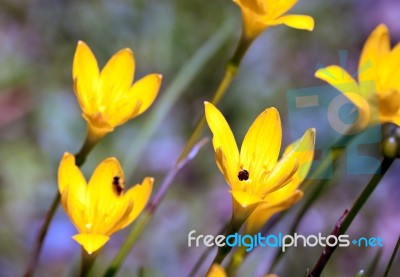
{"x":101,"y":207}
{"x":260,"y":14}
{"x":377,"y":92}
{"x":254,"y":174}
{"x":108,"y":98}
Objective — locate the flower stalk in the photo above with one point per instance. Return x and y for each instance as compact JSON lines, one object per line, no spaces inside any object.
{"x":149,"y":211}
{"x":37,"y":248}
{"x":358,"y":204}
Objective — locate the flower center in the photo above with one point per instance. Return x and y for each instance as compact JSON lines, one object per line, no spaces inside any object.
{"x":243,"y":175}
{"x":118,"y":186}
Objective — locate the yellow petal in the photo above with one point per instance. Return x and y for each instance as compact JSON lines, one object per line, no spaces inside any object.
{"x":116,"y":79}
{"x":227,"y":153}
{"x":104,"y":206}
{"x":303,"y":22}
{"x":139,"y":195}
{"x":91,"y":242}
{"x":280,"y":176}
{"x":303,"y":150}
{"x":72,"y":187}
{"x":297,"y":158}
{"x":246,"y":199}
{"x":340,"y":79}
{"x":85,"y":73}
{"x":69,"y":173}
{"x":275,"y":8}
{"x":264,"y":211}
{"x":376,"y":47}
{"x":389,"y":72}
{"x":261,"y":145}
{"x":216,"y":271}
{"x":145,"y":92}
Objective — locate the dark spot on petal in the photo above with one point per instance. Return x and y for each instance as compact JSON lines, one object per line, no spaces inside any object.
{"x":118,"y":186}
{"x":243,"y":175}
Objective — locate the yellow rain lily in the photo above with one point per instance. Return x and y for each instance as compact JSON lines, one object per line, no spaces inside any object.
{"x":377,"y":92}
{"x":260,"y":14}
{"x":108,"y":98}
{"x":254,"y":174}
{"x":101,"y":207}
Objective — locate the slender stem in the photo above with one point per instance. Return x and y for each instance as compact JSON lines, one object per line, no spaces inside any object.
{"x":41,"y":236}
{"x":396,"y":248}
{"x":374,"y":264}
{"x":87,"y":262}
{"x":204,"y":255}
{"x":149,"y":211}
{"x":236,"y":260}
{"x":319,"y":182}
{"x":230,"y":72}
{"x":223,"y":251}
{"x":327,"y":253}
{"x":198,"y":130}
{"x":80,"y":158}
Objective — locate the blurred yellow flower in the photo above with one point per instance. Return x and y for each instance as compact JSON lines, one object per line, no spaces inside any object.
{"x":216,"y":271}
{"x":254,"y":174}
{"x":284,"y":198}
{"x":108,"y":98}
{"x":377,"y":93}
{"x":102,"y":207}
{"x":260,"y":14}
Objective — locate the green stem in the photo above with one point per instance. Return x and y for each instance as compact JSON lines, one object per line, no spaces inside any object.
{"x":223,"y":251}
{"x":230,"y":72}
{"x":396,"y":248}
{"x":30,"y":270}
{"x":319,"y":182}
{"x":149,"y":211}
{"x":204,"y":255}
{"x":341,"y":228}
{"x":87,"y":262}
{"x":236,"y":260}
{"x":80,"y":158}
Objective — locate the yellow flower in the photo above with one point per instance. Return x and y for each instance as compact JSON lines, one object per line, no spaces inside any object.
{"x":102,"y":207}
{"x":254,"y":174}
{"x":377,"y":93}
{"x":216,"y":271}
{"x":259,"y":14}
{"x":288,"y":195}
{"x":108,"y":98}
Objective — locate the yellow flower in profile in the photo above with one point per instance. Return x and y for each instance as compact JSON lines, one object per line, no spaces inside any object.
{"x":254,"y":174}
{"x":377,"y":92}
{"x":108,"y":98}
{"x":288,"y":195}
{"x":260,"y":14}
{"x":101,"y":207}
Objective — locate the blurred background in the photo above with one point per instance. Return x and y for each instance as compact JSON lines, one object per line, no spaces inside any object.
{"x":40,"y":120}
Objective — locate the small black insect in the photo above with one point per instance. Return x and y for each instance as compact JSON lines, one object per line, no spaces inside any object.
{"x":243,"y":175}
{"x":117,"y":185}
